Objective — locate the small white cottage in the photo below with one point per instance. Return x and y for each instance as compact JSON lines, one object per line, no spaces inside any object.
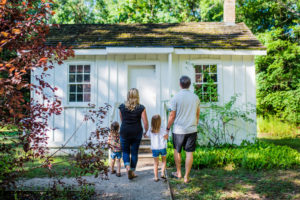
{"x":111,"y":58}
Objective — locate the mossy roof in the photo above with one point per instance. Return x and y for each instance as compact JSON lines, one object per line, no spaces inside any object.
{"x":178,"y":35}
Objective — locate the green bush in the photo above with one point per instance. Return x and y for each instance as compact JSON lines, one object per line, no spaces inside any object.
{"x":257,"y":156}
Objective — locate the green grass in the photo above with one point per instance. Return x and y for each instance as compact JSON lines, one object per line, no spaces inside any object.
{"x":217,"y":184}
{"x":274,"y":128}
{"x":60,"y":166}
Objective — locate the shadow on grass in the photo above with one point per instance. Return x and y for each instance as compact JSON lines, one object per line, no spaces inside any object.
{"x":238,"y":184}
{"x":290,"y":142}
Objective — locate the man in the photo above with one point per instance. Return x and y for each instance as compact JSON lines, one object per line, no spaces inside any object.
{"x":185,"y":111}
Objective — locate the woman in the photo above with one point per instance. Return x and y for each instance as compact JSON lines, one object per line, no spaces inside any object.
{"x":131,"y":113}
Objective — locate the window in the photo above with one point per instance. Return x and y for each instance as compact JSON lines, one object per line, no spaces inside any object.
{"x":206,"y":83}
{"x":79,"y":83}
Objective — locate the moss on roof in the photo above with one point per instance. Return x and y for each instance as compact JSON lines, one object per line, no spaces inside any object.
{"x":180,"y":35}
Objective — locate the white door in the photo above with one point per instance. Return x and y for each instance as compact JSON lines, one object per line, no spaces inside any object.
{"x":144,"y":79}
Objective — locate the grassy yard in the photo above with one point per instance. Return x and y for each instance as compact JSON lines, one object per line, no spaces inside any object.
{"x":217,"y":184}
{"x":234,"y":183}
{"x":60,"y":166}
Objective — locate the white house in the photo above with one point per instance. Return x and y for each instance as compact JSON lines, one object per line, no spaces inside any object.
{"x":111,"y":58}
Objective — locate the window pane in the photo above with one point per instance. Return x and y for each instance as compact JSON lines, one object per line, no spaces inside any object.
{"x":205,"y":88}
{"x":72,"y":98}
{"x":205,"y":78}
{"x":79,"y":68}
{"x":87,"y":97}
{"x":79,"y":88}
{"x":198,"y":68}
{"x":79,"y":78}
{"x":72,"y":69}
{"x":86,"y":78}
{"x":214,"y":77}
{"x":205,"y":68}
{"x":87,"y":88}
{"x":72,"y":78}
{"x":87,"y":68}
{"x":213,"y":69}
{"x":199,"y":78}
{"x":72,"y":88}
{"x":206,"y":98}
{"x":79,"y":97}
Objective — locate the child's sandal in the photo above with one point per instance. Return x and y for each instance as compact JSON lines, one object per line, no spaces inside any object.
{"x":163,"y":177}
{"x":118,"y":174}
{"x":156,"y":180}
{"x":113,"y":172}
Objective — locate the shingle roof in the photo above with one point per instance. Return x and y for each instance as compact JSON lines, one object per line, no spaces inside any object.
{"x":181,"y":35}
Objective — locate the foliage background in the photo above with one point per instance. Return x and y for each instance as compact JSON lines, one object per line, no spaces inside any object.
{"x":275,"y":23}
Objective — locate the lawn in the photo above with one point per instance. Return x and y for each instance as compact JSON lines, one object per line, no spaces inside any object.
{"x":238,"y":184}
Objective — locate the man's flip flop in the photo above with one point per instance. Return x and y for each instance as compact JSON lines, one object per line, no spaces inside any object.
{"x":187,"y":181}
{"x":174,"y":175}
{"x":163,"y":177}
{"x":156,"y":180}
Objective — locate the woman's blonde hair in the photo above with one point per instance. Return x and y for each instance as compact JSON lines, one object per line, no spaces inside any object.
{"x":133,"y":99}
{"x":155,"y":124}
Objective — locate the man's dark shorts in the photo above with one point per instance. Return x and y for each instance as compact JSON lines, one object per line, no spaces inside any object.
{"x":185,"y":141}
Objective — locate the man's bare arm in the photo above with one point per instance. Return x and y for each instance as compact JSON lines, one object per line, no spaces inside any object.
{"x":198,"y":114}
{"x":171,"y":119}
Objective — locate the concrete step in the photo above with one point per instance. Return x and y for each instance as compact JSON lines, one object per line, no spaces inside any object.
{"x":145,"y":149}
{"x":146,"y":141}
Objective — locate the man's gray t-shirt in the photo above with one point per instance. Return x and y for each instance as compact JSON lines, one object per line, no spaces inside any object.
{"x":185,"y":103}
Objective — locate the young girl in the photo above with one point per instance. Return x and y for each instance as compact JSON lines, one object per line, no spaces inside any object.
{"x":158,"y":138}
{"x":115,"y":146}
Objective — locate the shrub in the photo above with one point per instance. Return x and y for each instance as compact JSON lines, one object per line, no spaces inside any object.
{"x":257,"y":156}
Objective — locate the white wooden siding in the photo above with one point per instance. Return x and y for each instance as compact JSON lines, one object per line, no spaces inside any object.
{"x":236,"y":74}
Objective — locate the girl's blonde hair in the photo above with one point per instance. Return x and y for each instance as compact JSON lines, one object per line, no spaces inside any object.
{"x":133,"y":99}
{"x":155,"y":124}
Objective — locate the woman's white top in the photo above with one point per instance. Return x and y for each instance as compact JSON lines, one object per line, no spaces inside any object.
{"x":157,"y":139}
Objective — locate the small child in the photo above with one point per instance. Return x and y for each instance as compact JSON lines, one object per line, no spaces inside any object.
{"x":115,"y":146}
{"x":158,"y":138}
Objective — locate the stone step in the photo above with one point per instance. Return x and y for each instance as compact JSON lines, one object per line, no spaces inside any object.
{"x":145,"y":149}
{"x":146,"y":141}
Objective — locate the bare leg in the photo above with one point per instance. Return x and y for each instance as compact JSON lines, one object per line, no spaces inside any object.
{"x":188,"y":165}
{"x":156,"y":161}
{"x":163,"y":167}
{"x":177,"y":158}
{"x":112,"y":164}
{"x":118,"y":165}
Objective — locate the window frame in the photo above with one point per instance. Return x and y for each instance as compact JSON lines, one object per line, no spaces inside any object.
{"x":218,"y":73}
{"x":92,"y":83}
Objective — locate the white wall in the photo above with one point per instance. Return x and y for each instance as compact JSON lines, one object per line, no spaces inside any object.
{"x":236,"y":74}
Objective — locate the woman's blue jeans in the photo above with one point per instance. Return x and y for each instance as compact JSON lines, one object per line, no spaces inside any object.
{"x":130,"y":149}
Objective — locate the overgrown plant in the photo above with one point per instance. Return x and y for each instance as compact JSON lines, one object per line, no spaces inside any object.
{"x":217,"y":123}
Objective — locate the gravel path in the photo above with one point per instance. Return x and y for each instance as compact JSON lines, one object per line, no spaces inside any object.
{"x":142,"y":187}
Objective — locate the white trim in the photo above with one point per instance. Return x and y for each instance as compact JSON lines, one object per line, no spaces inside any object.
{"x":79,"y":52}
{"x":167,"y":50}
{"x":220,"y":51}
{"x":138,"y":50}
{"x":170,"y":74}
